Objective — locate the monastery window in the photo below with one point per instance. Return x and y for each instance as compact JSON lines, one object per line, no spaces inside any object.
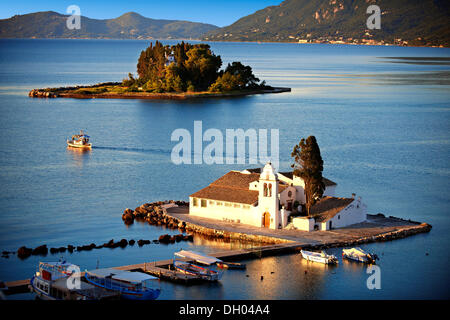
{"x":290,"y":194}
{"x":218,"y":203}
{"x":246,"y":206}
{"x":265,"y":189}
{"x":211,"y":202}
{"x":270,"y":190}
{"x":236,"y":205}
{"x":227,"y":204}
{"x":203,"y":203}
{"x":195,"y":202}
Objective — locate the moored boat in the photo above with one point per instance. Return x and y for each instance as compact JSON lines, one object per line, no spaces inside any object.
{"x":359,"y":255}
{"x":321,"y":257}
{"x":80,"y":141}
{"x":202,"y":269}
{"x":196,"y":270}
{"x":60,"y":281}
{"x":130,"y":285}
{"x":231,"y":265}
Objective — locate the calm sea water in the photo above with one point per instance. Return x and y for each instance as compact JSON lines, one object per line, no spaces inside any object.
{"x":382,"y":125}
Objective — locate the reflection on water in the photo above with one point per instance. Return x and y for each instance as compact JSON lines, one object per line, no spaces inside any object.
{"x":418,"y":60}
{"x":79,"y":155}
{"x":204,"y":243}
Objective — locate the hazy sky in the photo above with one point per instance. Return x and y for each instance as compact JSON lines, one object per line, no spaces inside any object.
{"x":220,"y":13}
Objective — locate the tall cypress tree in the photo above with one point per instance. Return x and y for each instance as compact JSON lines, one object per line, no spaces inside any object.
{"x":308,"y":165}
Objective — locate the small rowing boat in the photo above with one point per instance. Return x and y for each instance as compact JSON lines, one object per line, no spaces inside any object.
{"x":359,"y":255}
{"x":321,"y":257}
{"x":202,"y":268}
{"x":196,"y":270}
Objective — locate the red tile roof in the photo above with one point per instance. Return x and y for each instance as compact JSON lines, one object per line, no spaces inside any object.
{"x":233,"y":187}
{"x":328,"y":207}
{"x":227,"y":194}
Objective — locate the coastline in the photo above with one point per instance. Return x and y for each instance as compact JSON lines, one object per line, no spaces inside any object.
{"x":243,"y":41}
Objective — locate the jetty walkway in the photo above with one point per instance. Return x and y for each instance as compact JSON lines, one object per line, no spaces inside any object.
{"x":376,"y":228}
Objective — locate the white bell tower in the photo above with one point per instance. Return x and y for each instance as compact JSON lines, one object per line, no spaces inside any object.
{"x":268,"y":202}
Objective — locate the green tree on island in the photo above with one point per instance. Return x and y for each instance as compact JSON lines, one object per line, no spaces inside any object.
{"x":236,"y":77}
{"x":308,"y":165}
{"x":186,"y":67}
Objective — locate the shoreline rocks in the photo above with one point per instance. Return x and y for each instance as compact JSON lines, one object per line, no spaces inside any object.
{"x":24,"y":252}
{"x":38,"y":93}
{"x":74,"y":92}
{"x":154,"y":214}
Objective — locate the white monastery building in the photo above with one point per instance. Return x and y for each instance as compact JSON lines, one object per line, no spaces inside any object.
{"x":264,"y":198}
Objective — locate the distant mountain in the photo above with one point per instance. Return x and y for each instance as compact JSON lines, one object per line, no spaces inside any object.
{"x":131,"y":25}
{"x":415,"y":22}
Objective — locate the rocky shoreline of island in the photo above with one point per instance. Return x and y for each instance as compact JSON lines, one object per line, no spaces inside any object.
{"x":76,"y":92}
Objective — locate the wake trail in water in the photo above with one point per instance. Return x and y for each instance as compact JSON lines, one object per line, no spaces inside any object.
{"x":125,"y":149}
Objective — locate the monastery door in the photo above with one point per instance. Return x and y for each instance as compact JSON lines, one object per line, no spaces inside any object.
{"x":266,"y":220}
{"x":289,"y":206}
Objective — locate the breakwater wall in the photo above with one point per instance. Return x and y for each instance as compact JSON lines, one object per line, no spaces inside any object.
{"x":153,"y":213}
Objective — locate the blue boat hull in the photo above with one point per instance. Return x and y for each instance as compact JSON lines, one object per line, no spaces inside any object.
{"x":148,"y":295}
{"x":151,"y":294}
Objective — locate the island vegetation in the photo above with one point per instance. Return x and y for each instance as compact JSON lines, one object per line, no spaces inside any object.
{"x":180,"y":71}
{"x":186,"y":67}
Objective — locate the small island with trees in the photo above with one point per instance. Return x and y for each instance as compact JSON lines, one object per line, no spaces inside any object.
{"x":180,"y":71}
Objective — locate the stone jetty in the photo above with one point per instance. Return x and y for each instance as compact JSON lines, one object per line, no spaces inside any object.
{"x":377,"y":228}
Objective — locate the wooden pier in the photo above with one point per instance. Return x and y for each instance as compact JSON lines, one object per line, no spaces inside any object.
{"x":164,"y":269}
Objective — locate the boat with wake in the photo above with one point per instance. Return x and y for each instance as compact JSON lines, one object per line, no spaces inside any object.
{"x":80,"y":140}
{"x":321,"y":257}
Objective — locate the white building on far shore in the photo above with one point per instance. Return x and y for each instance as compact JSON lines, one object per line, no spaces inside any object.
{"x":264,"y":198}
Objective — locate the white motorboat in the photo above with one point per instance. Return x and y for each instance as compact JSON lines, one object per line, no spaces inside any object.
{"x":321,"y":257}
{"x":359,"y":255}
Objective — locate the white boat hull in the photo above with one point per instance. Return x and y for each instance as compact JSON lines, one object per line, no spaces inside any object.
{"x":311,"y":256}
{"x":41,"y":294}
{"x":358,"y":255}
{"x":74,"y":145}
